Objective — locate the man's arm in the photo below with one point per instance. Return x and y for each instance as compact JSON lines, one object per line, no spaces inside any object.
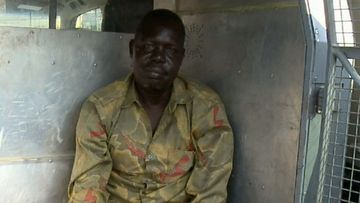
{"x":93,"y":164}
{"x":213,"y":140}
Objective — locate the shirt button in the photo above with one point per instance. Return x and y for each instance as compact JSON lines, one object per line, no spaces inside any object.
{"x":150,"y":157}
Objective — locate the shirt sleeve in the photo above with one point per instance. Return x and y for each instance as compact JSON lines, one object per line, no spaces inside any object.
{"x":213,"y":142}
{"x":93,"y":163}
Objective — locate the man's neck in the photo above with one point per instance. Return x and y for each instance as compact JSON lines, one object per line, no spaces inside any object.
{"x":154,"y":103}
{"x":154,"y":98}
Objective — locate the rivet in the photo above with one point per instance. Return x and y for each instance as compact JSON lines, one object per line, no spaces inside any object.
{"x":95,"y":64}
{"x":239,"y":71}
{"x":50,"y":160}
{"x":121,"y":37}
{"x":53,"y":63}
{"x":262,"y":187}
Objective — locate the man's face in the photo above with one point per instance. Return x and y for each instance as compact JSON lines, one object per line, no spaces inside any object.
{"x":157,"y":56}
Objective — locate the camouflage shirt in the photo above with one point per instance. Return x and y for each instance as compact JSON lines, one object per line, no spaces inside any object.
{"x":119,"y":159}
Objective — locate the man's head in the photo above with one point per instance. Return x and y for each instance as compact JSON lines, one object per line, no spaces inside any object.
{"x":157,"y":50}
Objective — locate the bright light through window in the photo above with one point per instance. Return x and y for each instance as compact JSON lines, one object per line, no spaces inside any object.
{"x":317,"y":11}
{"x":91,"y":20}
{"x":25,"y":13}
{"x":343,"y":23}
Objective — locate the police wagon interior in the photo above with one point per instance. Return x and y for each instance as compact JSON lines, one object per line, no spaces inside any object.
{"x":286,"y":70}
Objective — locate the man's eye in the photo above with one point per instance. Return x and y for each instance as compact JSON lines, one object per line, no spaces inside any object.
{"x":149,"y":47}
{"x":171,"y":51}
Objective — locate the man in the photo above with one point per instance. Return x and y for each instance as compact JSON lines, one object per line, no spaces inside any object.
{"x":153,"y":137}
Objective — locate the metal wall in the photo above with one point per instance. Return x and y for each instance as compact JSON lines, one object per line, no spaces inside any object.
{"x":252,"y":55}
{"x":45,"y":75}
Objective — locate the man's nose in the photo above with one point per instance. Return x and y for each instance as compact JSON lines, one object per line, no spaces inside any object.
{"x":159,"y":54}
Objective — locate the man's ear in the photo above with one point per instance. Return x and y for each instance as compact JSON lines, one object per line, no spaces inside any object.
{"x":131,"y":47}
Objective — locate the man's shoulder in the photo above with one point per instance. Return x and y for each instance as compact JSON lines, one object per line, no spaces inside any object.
{"x":201,"y":92}
{"x":110,"y":93}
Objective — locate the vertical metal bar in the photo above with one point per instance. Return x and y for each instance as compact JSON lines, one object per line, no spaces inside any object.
{"x":329,"y":8}
{"x":345,"y":63}
{"x":342,"y":24}
{"x":304,"y":130}
{"x":52,"y":13}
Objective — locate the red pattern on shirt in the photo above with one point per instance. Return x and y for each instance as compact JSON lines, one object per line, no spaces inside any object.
{"x":98,"y":133}
{"x":90,"y":197}
{"x":217,"y":122}
{"x":134,"y":150}
{"x":178,"y":170}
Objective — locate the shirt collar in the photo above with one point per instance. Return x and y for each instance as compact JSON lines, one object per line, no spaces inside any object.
{"x":179,"y":94}
{"x":131,"y":95}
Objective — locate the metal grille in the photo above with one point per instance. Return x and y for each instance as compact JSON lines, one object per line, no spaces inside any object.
{"x":346,"y":15}
{"x":336,"y":178}
{"x":340,"y":155}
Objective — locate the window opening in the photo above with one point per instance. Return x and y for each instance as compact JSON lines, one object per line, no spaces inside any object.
{"x":25,"y":13}
{"x":90,"y":20}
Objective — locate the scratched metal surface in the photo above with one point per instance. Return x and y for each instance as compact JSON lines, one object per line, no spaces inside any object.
{"x":256,"y":61}
{"x":45,"y":75}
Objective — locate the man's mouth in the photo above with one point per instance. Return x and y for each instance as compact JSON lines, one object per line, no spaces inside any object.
{"x":155,"y":73}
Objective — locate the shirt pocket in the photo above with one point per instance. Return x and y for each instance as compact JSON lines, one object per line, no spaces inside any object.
{"x":169,"y":164}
